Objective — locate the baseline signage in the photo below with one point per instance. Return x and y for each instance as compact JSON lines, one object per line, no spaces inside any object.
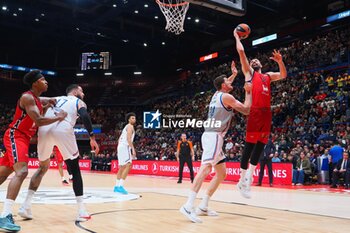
{"x":282,"y":172}
{"x":84,"y":164}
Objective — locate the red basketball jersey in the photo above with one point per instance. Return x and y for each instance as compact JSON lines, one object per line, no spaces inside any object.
{"x":22,"y":122}
{"x":261,"y":92}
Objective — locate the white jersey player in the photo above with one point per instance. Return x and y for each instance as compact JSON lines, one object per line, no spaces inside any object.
{"x":126,"y":152}
{"x":62,"y":136}
{"x":220,"y":109}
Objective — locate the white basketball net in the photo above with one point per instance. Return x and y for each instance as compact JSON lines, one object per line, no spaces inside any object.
{"x":175,"y":13}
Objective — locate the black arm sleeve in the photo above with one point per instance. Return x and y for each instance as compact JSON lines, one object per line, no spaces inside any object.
{"x":84,"y":115}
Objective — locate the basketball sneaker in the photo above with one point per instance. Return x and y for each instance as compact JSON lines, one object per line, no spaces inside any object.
{"x":122,"y":190}
{"x":8,"y":224}
{"x":244,"y":189}
{"x":116,"y":189}
{"x":83,"y":216}
{"x":205,"y":212}
{"x":25,"y":213}
{"x":190,"y":214}
{"x":65,"y":182}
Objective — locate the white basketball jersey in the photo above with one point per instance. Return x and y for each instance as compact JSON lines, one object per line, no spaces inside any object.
{"x":123,"y":139}
{"x":218,"y":112}
{"x":70,"y":105}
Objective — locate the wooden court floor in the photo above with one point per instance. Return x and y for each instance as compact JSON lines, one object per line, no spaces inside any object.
{"x":156,"y":208}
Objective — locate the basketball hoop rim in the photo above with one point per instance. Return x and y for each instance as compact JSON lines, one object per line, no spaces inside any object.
{"x":171,"y":5}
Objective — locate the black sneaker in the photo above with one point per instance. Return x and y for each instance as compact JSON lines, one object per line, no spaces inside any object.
{"x":65,"y":182}
{"x":179,"y":181}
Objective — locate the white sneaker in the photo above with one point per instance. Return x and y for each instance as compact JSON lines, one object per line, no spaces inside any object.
{"x":83,"y":216}
{"x":190,"y":214}
{"x":25,"y":213}
{"x":244,"y":189}
{"x":206,"y":212}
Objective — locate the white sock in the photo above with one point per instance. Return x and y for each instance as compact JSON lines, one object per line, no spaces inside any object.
{"x":117,"y":182}
{"x":63,"y":179}
{"x":7,"y":209}
{"x":204,"y":203}
{"x":190,"y":201}
{"x":121,"y":183}
{"x":243,"y":172}
{"x":28,"y":201}
{"x":71,"y":177}
{"x":251,"y":170}
{"x":80,"y":203}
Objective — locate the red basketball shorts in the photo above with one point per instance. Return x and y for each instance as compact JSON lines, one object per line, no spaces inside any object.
{"x":259,"y":125}
{"x":17,"y":147}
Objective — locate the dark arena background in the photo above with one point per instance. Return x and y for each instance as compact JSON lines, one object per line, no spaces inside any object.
{"x":127,"y":58}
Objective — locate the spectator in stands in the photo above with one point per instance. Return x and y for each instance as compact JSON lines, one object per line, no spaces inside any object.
{"x":303,"y":167}
{"x":342,"y":170}
{"x":336,"y":153}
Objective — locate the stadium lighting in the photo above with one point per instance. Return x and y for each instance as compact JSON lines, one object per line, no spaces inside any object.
{"x":114,"y":5}
{"x":14,"y":14}
{"x":188,"y":18}
{"x":163,"y":43}
{"x":37,"y":20}
{"x":145,"y":44}
{"x":137,"y":73}
{"x":42,"y":14}
{"x":108,"y":73}
{"x":146,"y":5}
{"x":156,"y":17}
{"x":4,"y":8}
{"x":80,"y":74}
{"x":136,"y":11}
{"x":20,"y":9}
{"x":197,"y":20}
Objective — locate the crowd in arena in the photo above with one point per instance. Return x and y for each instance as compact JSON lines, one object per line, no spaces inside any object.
{"x":310,"y":108}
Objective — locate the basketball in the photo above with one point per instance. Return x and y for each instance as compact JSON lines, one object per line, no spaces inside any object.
{"x":243,"y":30}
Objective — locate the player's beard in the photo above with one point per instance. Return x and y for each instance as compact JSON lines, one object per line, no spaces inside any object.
{"x":256,"y":67}
{"x":80,"y":97}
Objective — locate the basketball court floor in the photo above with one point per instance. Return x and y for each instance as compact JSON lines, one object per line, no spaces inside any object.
{"x":153,"y":203}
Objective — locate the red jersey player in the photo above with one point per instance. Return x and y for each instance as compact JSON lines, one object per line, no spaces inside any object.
{"x":28,"y":117}
{"x":59,"y":158}
{"x":260,"y":116}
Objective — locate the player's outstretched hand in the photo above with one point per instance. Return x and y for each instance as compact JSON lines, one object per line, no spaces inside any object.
{"x":235,"y":34}
{"x":94,"y":146}
{"x":276,"y":56}
{"x":234,"y":68}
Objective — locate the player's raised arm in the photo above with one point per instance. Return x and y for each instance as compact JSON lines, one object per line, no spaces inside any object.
{"x":27,"y":102}
{"x":231,"y":101}
{"x":234,"y":72}
{"x":275,"y":76}
{"x":85,"y":117}
{"x":247,"y":70}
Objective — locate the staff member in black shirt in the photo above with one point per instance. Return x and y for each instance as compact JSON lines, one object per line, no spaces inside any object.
{"x":185,"y":154}
{"x":266,"y":159}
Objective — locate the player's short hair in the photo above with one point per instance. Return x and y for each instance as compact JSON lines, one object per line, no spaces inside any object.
{"x":218,"y":81}
{"x":31,"y":77}
{"x":71,"y":88}
{"x":128,"y":115}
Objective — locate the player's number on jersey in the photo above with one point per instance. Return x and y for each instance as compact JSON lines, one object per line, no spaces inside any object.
{"x":211,"y":112}
{"x":60,"y":103}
